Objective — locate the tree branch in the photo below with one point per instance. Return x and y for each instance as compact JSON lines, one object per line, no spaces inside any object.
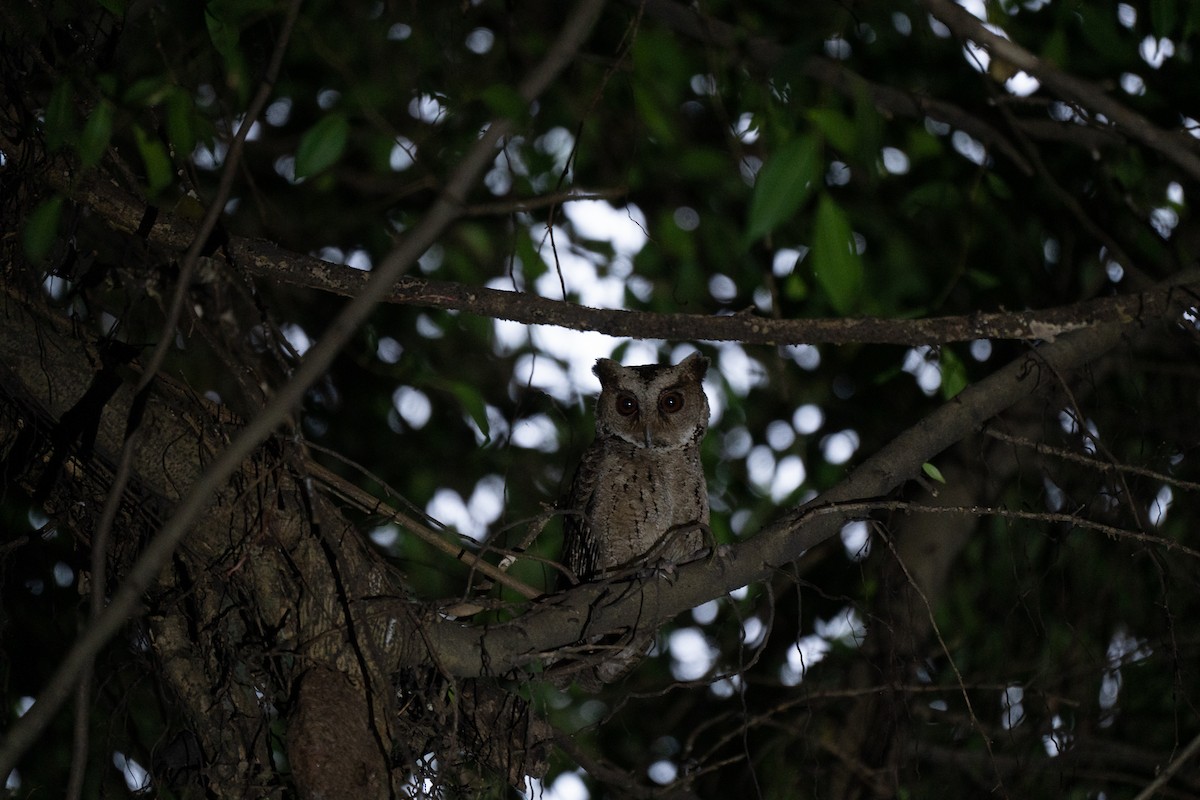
{"x":1177,"y":147}
{"x":765,"y":53}
{"x":1164,"y":776}
{"x":369,"y":502}
{"x":112,"y":503}
{"x":264,"y":259}
{"x":445,"y":209}
{"x":592,"y":609}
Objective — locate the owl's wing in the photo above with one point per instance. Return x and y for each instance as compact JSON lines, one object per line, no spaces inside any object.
{"x":580,"y":545}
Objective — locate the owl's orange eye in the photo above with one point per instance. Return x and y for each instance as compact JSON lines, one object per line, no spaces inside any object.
{"x":627,"y":405}
{"x":670,"y":402}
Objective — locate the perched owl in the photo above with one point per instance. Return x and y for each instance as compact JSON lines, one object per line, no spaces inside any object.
{"x":639,"y":493}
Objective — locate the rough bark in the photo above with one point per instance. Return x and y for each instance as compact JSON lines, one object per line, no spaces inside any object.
{"x":272,"y":590}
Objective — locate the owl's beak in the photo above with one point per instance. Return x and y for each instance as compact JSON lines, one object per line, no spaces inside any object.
{"x":649,"y":437}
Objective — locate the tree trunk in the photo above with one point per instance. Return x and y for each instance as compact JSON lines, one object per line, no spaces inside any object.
{"x":274,"y":614}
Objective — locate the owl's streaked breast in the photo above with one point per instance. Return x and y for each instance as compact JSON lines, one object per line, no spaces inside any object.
{"x":639,"y":492}
{"x":639,"y":496}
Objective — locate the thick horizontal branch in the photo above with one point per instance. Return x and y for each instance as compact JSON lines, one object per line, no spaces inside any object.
{"x":597,"y":608}
{"x":592,"y":609}
{"x":266,"y":260}
{"x":749,"y":328}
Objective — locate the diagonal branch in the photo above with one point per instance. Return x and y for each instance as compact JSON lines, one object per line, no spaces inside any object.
{"x":1164,"y":776}
{"x":1176,"y":147}
{"x":592,"y":609}
{"x":445,"y":209}
{"x":112,"y":503}
{"x":368,"y":502}
{"x":764,"y":54}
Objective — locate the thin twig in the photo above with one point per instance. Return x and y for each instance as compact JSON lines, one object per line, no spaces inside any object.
{"x":861,"y":508}
{"x":533,"y":203}
{"x":1169,"y":771}
{"x":1095,"y":463}
{"x":373,"y":504}
{"x":962,"y":685}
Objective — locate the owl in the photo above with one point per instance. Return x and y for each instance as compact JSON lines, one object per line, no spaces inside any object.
{"x":639,"y":494}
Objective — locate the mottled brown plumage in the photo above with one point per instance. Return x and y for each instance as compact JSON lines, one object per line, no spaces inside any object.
{"x":639,"y":495}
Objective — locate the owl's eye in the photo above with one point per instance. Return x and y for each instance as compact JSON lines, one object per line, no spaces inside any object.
{"x":627,"y":405}
{"x":670,"y":402}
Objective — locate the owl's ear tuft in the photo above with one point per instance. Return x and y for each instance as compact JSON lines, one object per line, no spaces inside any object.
{"x":607,"y":370}
{"x":696,"y":364}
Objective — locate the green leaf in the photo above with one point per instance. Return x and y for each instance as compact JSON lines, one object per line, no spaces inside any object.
{"x":107,"y":83}
{"x":224,"y":22}
{"x":1192,"y":22}
{"x":868,"y":128}
{"x":1099,"y":28}
{"x":932,"y":197}
{"x":41,"y":229}
{"x":154,"y":156}
{"x":96,"y":134}
{"x":998,"y":186}
{"x":933,"y":472}
{"x":702,"y":163}
{"x":322,"y":145}
{"x":60,"y":116}
{"x":983,"y":280}
{"x":1163,"y":18}
{"x":836,"y":265}
{"x":661,"y":71}
{"x":954,"y":373}
{"x":222,"y":31}
{"x":662,"y":66}
{"x":471,"y":400}
{"x":239,"y":12}
{"x":1056,"y":48}
{"x":181,"y":120}
{"x":783,"y":184}
{"x":147,"y":91}
{"x":651,"y":115}
{"x":836,"y":127}
{"x":794,"y":288}
{"x":505,"y":101}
